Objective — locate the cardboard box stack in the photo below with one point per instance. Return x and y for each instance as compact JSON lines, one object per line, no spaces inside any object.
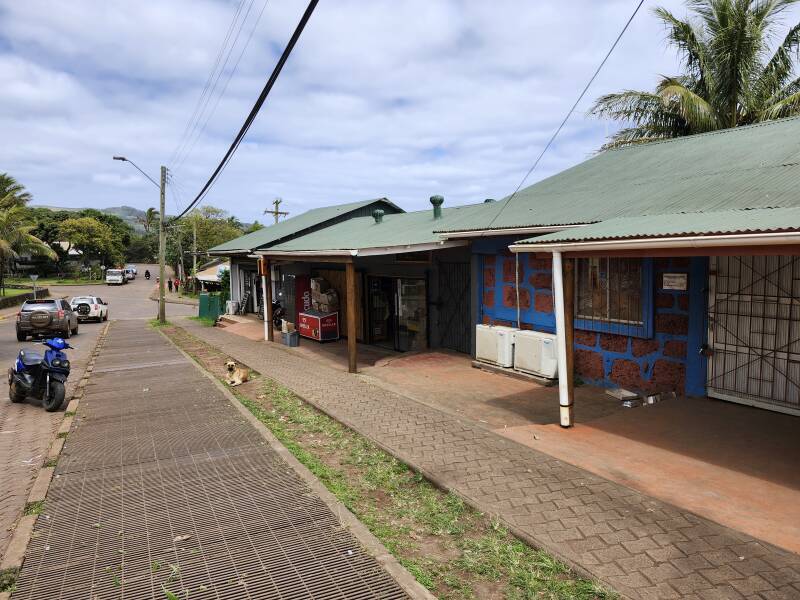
{"x":323,"y":297}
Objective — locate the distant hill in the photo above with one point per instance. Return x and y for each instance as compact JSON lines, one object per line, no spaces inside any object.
{"x":127,"y":213}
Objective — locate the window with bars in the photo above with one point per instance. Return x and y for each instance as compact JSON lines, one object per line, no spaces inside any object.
{"x":614,"y":295}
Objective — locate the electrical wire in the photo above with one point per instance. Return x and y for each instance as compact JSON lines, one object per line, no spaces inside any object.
{"x":213,"y":110}
{"x":224,"y":45}
{"x":256,"y":107}
{"x":569,"y":113}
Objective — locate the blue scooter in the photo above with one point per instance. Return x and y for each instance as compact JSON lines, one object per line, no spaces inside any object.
{"x":41,"y":376}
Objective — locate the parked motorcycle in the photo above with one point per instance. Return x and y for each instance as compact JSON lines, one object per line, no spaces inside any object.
{"x":277,"y":313}
{"x":41,"y":376}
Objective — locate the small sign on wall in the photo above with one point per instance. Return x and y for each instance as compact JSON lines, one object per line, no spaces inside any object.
{"x":675,"y":281}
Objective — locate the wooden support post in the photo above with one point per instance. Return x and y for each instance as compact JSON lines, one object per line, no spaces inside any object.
{"x":569,"y":331}
{"x":266,"y":285}
{"x":352,"y":350}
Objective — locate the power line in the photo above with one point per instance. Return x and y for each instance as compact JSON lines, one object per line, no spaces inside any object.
{"x":224,"y":45}
{"x":571,"y":110}
{"x":256,"y":107}
{"x":218,"y":76}
{"x":213,"y":110}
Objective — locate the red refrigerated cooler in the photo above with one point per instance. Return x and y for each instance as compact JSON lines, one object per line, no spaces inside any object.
{"x":317,"y":325}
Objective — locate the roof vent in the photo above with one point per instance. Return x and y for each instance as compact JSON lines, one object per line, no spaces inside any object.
{"x":437,"y":202}
{"x":377,"y":214}
{"x":488,"y":200}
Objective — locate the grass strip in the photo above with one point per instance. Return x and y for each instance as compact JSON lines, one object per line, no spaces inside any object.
{"x":451,"y":549}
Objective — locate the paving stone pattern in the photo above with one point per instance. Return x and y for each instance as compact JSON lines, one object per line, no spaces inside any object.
{"x":163,"y":482}
{"x":637,"y":545}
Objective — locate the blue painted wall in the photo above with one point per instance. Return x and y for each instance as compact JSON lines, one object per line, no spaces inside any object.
{"x":667,"y":359}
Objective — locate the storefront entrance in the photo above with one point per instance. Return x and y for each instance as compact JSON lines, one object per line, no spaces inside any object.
{"x":397,"y":310}
{"x":754,"y":331}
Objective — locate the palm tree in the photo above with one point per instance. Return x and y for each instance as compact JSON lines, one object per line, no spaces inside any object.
{"x":149,"y":219}
{"x":12,"y":193}
{"x":731,"y":77}
{"x":16,"y":238}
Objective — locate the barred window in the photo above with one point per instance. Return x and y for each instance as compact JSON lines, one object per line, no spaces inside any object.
{"x":612,"y":294}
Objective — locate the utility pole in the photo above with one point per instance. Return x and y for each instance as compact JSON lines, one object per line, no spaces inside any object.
{"x":275,"y":212}
{"x":194,"y":255}
{"x":162,"y":248}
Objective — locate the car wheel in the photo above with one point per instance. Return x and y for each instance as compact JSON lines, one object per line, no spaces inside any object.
{"x":105,"y":316}
{"x":75,"y":331}
{"x":21,"y":337}
{"x":67,"y":333}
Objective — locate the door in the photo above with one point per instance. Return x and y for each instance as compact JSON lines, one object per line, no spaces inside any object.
{"x":412,"y":315}
{"x":454,"y":307}
{"x":381,"y":304}
{"x":754,"y":331}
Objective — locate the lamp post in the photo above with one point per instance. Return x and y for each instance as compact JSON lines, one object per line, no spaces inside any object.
{"x":162,"y":234}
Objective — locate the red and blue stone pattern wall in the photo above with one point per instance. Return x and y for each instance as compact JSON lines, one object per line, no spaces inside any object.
{"x":667,"y":361}
{"x":499,"y":291}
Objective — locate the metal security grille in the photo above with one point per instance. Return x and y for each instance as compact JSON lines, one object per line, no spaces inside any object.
{"x":454,"y":308}
{"x":754,"y":331}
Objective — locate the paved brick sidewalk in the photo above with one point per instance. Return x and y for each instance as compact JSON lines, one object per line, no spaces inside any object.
{"x":639,"y":546}
{"x":163,"y":482}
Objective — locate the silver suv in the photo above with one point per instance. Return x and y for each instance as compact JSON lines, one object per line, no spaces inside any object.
{"x":39,"y":318}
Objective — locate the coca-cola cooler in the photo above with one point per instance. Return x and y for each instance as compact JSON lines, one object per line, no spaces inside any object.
{"x":320,"y":326}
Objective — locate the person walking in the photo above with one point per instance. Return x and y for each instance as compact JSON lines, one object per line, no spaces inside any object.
{"x":169,"y":285}
{"x":177,"y":285}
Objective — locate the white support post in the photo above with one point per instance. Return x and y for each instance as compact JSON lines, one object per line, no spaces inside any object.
{"x":266,"y":295}
{"x":561,"y":336}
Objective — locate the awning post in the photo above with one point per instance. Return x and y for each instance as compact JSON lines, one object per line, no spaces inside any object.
{"x":562,"y":335}
{"x":266,"y":290}
{"x":352,"y":349}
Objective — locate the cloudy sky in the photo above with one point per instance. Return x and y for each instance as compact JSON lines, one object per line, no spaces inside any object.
{"x":395,"y":98}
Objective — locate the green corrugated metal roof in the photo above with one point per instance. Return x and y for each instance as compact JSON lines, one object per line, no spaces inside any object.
{"x":756,"y":166}
{"x":402,"y":229}
{"x":680,"y":224}
{"x":273,"y":233}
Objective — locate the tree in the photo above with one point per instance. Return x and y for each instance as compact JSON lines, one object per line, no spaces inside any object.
{"x":12,"y":193}
{"x":93,"y":238}
{"x":214,"y":226}
{"x":149,"y":220}
{"x":16,"y":238}
{"x":255,"y":226}
{"x":730,"y":78}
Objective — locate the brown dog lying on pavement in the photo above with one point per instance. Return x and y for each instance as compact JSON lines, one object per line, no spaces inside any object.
{"x":236,"y":375}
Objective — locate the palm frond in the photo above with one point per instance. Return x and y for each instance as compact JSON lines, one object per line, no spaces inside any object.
{"x":698,"y":114}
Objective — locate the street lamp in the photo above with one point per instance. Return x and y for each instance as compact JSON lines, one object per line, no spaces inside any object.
{"x":162,"y":236}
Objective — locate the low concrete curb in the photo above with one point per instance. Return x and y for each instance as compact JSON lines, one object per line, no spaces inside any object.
{"x":349,"y":521}
{"x":15,"y":554}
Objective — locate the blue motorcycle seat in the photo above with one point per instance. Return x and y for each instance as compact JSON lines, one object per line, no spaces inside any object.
{"x":30,"y":358}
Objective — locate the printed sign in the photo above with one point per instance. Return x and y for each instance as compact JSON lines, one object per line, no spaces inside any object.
{"x":675,"y":281}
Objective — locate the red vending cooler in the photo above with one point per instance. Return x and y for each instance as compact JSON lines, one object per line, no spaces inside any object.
{"x":318,"y":326}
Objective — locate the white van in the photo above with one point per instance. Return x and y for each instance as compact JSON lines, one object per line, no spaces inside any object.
{"x":115,"y":277}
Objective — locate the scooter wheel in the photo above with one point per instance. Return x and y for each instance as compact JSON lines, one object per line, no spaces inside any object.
{"x":15,"y":397}
{"x":56,"y":398}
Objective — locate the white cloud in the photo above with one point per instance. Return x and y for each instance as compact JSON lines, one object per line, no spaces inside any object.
{"x":396,"y":98}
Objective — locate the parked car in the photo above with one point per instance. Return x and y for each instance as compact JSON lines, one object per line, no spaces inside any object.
{"x":115,"y":277}
{"x":90,"y":307}
{"x":130,"y":274}
{"x":38,"y":318}
{"x":133,"y":268}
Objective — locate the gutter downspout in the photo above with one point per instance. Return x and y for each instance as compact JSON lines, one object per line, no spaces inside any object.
{"x":516,"y":280}
{"x":565,"y":410}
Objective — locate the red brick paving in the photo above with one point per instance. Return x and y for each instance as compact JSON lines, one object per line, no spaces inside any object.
{"x":639,"y":546}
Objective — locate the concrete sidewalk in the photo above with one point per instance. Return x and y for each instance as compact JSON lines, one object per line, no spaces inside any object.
{"x":164,"y":482}
{"x":639,"y":546}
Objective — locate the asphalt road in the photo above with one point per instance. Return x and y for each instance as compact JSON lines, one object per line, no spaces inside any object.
{"x":26,"y":430}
